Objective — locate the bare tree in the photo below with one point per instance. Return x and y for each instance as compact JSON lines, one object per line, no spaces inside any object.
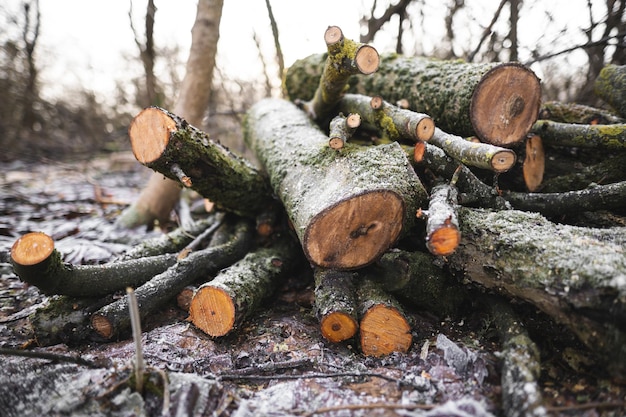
{"x":147,"y":54}
{"x":30,"y":35}
{"x":375,"y":24}
{"x":159,"y":196}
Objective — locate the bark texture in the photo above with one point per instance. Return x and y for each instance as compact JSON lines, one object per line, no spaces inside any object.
{"x":347,"y":207}
{"x":336,"y":304}
{"x":611,"y":87}
{"x":168,"y":144}
{"x":219,"y":306}
{"x":584,"y":136}
{"x":575,"y":275}
{"x":497,"y":102}
{"x":577,"y":113}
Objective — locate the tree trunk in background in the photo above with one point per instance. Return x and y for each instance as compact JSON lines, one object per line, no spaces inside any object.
{"x":160,"y":193}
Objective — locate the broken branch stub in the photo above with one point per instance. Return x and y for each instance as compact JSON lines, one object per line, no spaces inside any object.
{"x":347,"y":207}
{"x":168,"y":144}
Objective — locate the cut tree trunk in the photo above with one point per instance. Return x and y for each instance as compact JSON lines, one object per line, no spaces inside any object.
{"x":497,"y":102}
{"x":611,"y":87}
{"x":383,"y":327}
{"x":160,"y":194}
{"x":575,"y":275}
{"x":168,"y":144}
{"x":113,"y":319}
{"x":347,"y":207}
{"x":342,"y":128}
{"x":336,"y":304}
{"x":219,"y":306}
{"x":37,"y":262}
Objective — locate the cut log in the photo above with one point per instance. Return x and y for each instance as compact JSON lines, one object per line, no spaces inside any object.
{"x":347,"y":207}
{"x":168,"y":144}
{"x":219,"y":306}
{"x":594,"y":198}
{"x":473,"y":190}
{"x":342,"y":128}
{"x":344,"y":58}
{"x":611,"y":87}
{"x":534,"y":162}
{"x":442,"y":224}
{"x":383,"y":327}
{"x":476,"y":154}
{"x":557,"y":111}
{"x":583,"y":136}
{"x":387,"y":120}
{"x":575,"y":275}
{"x":336,"y":304}
{"x":37,"y":262}
{"x":497,"y":102}
{"x":113,"y":320}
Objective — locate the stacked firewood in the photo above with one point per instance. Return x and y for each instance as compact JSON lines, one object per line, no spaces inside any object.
{"x":347,"y":182}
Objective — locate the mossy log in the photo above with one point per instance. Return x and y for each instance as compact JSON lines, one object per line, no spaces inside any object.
{"x":611,"y":87}
{"x":575,"y":275}
{"x":609,"y":170}
{"x":521,"y":363}
{"x":594,"y":198}
{"x":577,"y":113}
{"x":476,"y":154}
{"x":383,"y":327}
{"x":219,"y":306}
{"x":168,"y":144}
{"x":336,"y":304}
{"x":582,"y":136}
{"x":346,"y":207}
{"x":342,"y":128}
{"x":37,"y":262}
{"x":497,"y":102}
{"x":391,"y":122}
{"x":113,"y":319}
{"x":442,"y":224}
{"x":415,"y":278}
{"x":344,"y":58}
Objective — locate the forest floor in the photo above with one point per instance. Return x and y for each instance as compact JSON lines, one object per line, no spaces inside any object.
{"x":276,"y":364}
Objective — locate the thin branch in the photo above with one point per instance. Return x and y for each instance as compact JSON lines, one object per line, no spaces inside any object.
{"x":573,"y":48}
{"x":279,"y":51}
{"x":49,"y":356}
{"x":487,"y":31}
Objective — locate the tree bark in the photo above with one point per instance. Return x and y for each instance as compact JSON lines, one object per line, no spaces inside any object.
{"x":168,"y":144}
{"x":37,"y":262}
{"x":336,"y":304}
{"x":584,"y":136}
{"x":575,"y":275}
{"x":347,"y":207}
{"x":476,"y":154}
{"x":342,"y":128}
{"x":160,"y":194}
{"x":442,"y":224}
{"x":344,"y":58}
{"x":577,"y":113}
{"x":387,"y":120}
{"x":611,"y":87}
{"x":219,"y":306}
{"x":497,"y":102}
{"x":113,"y":319}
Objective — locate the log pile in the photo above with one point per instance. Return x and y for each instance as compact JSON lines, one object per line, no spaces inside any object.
{"x":391,"y":205}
